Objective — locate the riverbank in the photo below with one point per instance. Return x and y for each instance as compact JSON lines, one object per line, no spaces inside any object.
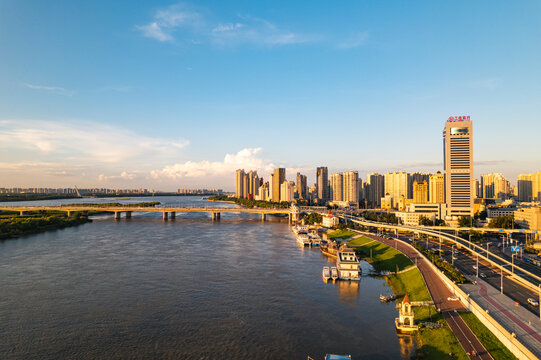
{"x":12,"y":225}
{"x":432,"y":343}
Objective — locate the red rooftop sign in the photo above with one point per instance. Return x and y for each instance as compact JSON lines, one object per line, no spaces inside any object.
{"x":459,"y":118}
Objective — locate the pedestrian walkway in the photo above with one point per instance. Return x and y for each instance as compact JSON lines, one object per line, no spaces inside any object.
{"x":515,"y":319}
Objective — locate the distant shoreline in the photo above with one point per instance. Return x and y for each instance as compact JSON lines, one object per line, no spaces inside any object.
{"x":39,"y":197}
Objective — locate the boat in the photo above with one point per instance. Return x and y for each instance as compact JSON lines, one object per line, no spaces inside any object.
{"x":303,"y":239}
{"x":326,"y":274}
{"x":347,"y":264}
{"x":329,"y":249}
{"x":387,"y":298}
{"x":300,"y":230}
{"x":315,"y":239}
{"x":334,"y":273}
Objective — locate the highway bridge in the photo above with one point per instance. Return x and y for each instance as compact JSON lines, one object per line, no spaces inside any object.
{"x":167,"y":211}
{"x":526,"y":278}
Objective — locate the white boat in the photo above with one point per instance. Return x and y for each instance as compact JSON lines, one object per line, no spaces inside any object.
{"x":347,"y":264}
{"x":326,"y":274}
{"x":297,"y":230}
{"x":334,"y":273}
{"x":303,"y":240}
{"x":315,"y":239}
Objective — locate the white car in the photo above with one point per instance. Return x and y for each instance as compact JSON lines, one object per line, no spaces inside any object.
{"x":474,"y":267}
{"x":483,"y":275}
{"x":453,"y":298}
{"x":533,"y":302}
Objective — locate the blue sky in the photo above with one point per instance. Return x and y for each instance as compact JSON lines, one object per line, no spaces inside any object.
{"x":178,"y":94}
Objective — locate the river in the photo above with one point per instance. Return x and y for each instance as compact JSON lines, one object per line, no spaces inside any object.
{"x":188,"y":288}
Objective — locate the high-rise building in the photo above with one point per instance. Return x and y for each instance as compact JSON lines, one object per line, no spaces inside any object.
{"x":301,"y":186}
{"x":420,"y":192}
{"x":286,"y":191}
{"x":396,"y":185}
{"x":322,"y":176}
{"x":374,"y":189}
{"x":350,"y":190}
{"x":245,"y":186}
{"x":437,"y":188}
{"x":419,"y":177}
{"x":458,"y":166}
{"x":495,"y":186}
{"x":529,"y":187}
{"x":337,"y":185}
{"x":239,"y":183}
{"x":278,"y":179}
{"x":253,"y":183}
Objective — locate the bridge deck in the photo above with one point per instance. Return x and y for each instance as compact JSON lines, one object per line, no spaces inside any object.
{"x":152,"y":209}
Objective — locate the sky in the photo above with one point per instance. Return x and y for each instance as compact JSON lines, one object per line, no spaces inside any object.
{"x":166,"y":95}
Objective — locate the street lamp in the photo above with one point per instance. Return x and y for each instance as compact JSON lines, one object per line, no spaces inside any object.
{"x":453,"y":255}
{"x":487,"y":250}
{"x":477,"y":267}
{"x":513,"y":263}
{"x":501,"y":281}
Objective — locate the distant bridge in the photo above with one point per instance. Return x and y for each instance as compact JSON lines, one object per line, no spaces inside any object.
{"x":167,"y":211}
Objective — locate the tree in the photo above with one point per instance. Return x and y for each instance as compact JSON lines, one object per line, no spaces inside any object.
{"x":425,"y":221}
{"x":503,"y":222}
{"x":313,"y":218}
{"x":465,"y":221}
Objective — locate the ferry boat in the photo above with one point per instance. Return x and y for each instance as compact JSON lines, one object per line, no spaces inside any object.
{"x":334,"y":273}
{"x":303,"y":240}
{"x":387,"y":298}
{"x":326,"y":273}
{"x":329,"y":249}
{"x":315,"y":239}
{"x":297,"y":230}
{"x":347,"y":264}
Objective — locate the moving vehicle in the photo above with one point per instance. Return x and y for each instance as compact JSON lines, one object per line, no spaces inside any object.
{"x":533,"y":302}
{"x":453,"y":298}
{"x":483,"y":275}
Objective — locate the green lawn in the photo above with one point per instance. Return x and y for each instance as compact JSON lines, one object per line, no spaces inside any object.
{"x":437,"y":344}
{"x":487,"y":338}
{"x":381,"y":256}
{"x":340,"y":234}
{"x":360,"y":241}
{"x":411,"y":283}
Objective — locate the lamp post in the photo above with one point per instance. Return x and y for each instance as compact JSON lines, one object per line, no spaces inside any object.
{"x":453,"y":255}
{"x":513,"y":263}
{"x":477,"y":266}
{"x":501,"y":281}
{"x":487,"y":250}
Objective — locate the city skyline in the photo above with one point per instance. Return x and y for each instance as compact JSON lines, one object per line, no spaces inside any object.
{"x":177,"y":104}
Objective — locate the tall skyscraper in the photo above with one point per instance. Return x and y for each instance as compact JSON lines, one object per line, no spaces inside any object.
{"x":351,"y":186}
{"x":495,"y":186}
{"x":396,"y":185}
{"x":301,"y":186}
{"x":529,"y":187}
{"x":458,"y":166}
{"x":374,"y":189}
{"x":286,"y":191}
{"x":245,"y":186}
{"x":239,"y":183}
{"x":278,"y":179}
{"x":419,"y":177}
{"x":322,"y":176}
{"x":420,"y":192}
{"x":437,"y":188}
{"x":337,"y":185}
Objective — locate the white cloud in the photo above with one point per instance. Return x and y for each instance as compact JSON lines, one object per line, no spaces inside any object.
{"x":84,"y":142}
{"x":52,"y":89}
{"x":123,"y":175}
{"x":354,"y":41}
{"x":245,"y":159}
{"x":166,"y":22}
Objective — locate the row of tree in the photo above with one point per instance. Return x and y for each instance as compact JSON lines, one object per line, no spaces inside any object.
{"x":252,"y":203}
{"x":14,"y":226}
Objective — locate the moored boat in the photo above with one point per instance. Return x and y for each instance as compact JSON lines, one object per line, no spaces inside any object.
{"x":326,"y":273}
{"x":334,"y":273}
{"x":315,"y":239}
{"x":303,"y":239}
{"x":329,"y":249}
{"x":347,"y":264}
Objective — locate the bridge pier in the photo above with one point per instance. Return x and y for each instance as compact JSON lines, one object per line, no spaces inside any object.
{"x":70,"y":213}
{"x":128,"y":214}
{"x":22,"y":213}
{"x":165,"y":215}
{"x":263,"y":217}
{"x":117,"y":215}
{"x":216,"y":216}
{"x":173,"y":215}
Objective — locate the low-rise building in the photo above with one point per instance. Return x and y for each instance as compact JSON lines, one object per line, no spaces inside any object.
{"x":330,"y":220}
{"x":529,"y":218}
{"x":493,"y":212}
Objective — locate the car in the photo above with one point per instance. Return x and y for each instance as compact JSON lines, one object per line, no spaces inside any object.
{"x":483,"y":275}
{"x":533,"y":302}
{"x":474,"y":267}
{"x":453,"y":298}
